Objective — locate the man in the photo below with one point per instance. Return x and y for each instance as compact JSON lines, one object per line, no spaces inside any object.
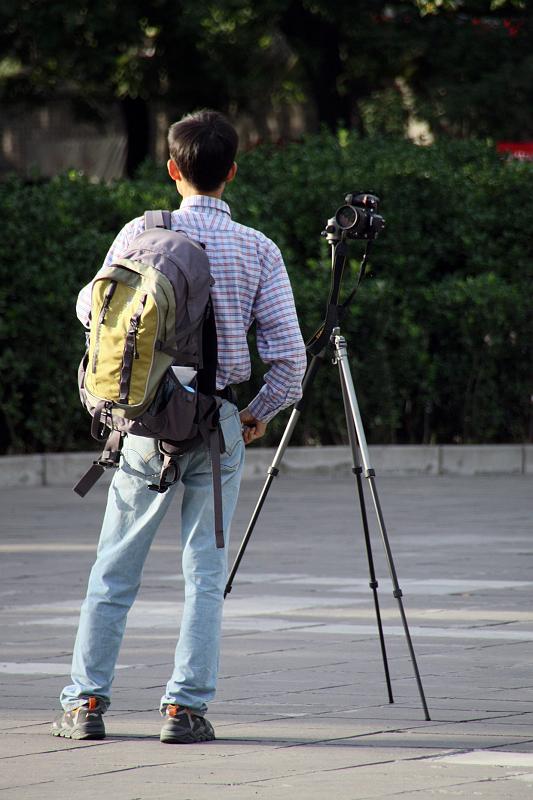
{"x":251,"y":283}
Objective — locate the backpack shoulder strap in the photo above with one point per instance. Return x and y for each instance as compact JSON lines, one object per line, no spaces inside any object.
{"x":157,"y":219}
{"x":207,"y":373}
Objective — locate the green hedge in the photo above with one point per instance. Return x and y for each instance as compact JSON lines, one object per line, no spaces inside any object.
{"x":440,"y":332}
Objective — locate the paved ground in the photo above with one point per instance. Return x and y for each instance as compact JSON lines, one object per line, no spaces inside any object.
{"x":302,"y":709}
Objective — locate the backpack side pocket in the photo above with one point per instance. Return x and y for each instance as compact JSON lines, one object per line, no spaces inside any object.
{"x":172,"y":415}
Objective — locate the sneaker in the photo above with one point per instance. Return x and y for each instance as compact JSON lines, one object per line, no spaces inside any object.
{"x":185,"y":726}
{"x":83,"y":722}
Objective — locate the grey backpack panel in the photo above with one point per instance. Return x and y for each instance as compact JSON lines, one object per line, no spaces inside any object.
{"x":187,"y":259}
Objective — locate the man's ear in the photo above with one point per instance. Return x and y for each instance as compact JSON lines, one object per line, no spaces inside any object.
{"x":173,"y":170}
{"x":232,"y":172}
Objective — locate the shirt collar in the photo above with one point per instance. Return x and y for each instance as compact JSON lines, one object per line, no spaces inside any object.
{"x":204,"y":202}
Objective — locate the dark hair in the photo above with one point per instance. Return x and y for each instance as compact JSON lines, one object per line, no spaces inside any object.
{"x":203,"y":145}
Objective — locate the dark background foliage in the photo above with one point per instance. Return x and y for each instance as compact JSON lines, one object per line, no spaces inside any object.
{"x":465,"y":67}
{"x":440,"y":333}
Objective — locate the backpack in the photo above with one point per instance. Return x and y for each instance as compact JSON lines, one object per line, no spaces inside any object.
{"x":151,"y":315}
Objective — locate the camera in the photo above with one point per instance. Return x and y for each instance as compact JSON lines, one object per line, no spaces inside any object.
{"x":358,"y":219}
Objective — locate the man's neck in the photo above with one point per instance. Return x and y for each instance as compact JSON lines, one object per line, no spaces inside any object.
{"x":191,"y":191}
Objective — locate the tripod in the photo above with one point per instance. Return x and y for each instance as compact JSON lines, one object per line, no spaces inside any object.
{"x":328,"y":337}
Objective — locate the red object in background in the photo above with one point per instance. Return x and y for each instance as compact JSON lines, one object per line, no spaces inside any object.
{"x":521,"y":150}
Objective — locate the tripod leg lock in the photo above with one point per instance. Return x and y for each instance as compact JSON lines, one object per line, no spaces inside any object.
{"x":357,"y":470}
{"x":397,"y":593}
{"x":274,"y":471}
{"x":373,"y":584}
{"x":370,"y":473}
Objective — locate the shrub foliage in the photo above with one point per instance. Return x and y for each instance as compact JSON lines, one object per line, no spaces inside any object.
{"x":440,"y":332}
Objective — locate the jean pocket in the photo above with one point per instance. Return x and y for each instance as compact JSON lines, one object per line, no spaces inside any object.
{"x":231,"y":458}
{"x":141,"y":456}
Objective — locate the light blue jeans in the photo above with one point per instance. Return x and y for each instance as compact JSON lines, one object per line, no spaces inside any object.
{"x":132,"y":517}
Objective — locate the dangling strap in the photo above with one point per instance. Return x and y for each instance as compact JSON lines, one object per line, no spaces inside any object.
{"x":214,"y":447}
{"x":102,"y":419}
{"x":211,"y":433}
{"x":110,"y":457}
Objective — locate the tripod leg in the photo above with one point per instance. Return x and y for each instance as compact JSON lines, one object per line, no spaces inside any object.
{"x":341,"y":357}
{"x":357,"y":471}
{"x":273,"y":470}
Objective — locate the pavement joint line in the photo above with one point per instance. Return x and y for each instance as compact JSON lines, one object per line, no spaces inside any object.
{"x":9,"y":731}
{"x":285,"y":630}
{"x":285,"y":669}
{"x":501,"y":719}
{"x":506,"y":644}
{"x":321,"y":771}
{"x":279,"y":718}
{"x":460,"y":698}
{"x":136,"y":767}
{"x":25,"y":785}
{"x":345,"y":738}
{"x":55,"y":749}
{"x":295,"y":691}
{"x":415,"y":758}
{"x":495,"y":624}
{"x":493,"y":746}
{"x":495,"y":779}
{"x":300,"y":648}
{"x":128,"y":769}
{"x":450,"y":722}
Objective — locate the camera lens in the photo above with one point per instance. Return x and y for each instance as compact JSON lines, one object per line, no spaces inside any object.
{"x":346,"y":217}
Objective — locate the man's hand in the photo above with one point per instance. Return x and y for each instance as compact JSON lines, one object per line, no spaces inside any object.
{"x":252,"y":427}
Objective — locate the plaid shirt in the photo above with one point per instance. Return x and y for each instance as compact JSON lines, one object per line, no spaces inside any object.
{"x":251,"y":283}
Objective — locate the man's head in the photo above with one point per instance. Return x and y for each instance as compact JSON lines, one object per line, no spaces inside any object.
{"x":202,"y":149}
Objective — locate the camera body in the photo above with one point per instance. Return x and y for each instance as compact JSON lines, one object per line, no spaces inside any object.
{"x":359,"y":217}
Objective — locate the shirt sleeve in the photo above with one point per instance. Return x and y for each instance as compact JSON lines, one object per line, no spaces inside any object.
{"x":279,"y":340}
{"x":119,"y":246}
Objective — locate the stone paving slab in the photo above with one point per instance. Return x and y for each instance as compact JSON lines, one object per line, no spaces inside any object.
{"x":302,"y":707}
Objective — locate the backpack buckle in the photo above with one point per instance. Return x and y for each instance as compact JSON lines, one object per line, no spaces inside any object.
{"x":110,"y":455}
{"x":170,"y":474}
{"x":109,"y":458}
